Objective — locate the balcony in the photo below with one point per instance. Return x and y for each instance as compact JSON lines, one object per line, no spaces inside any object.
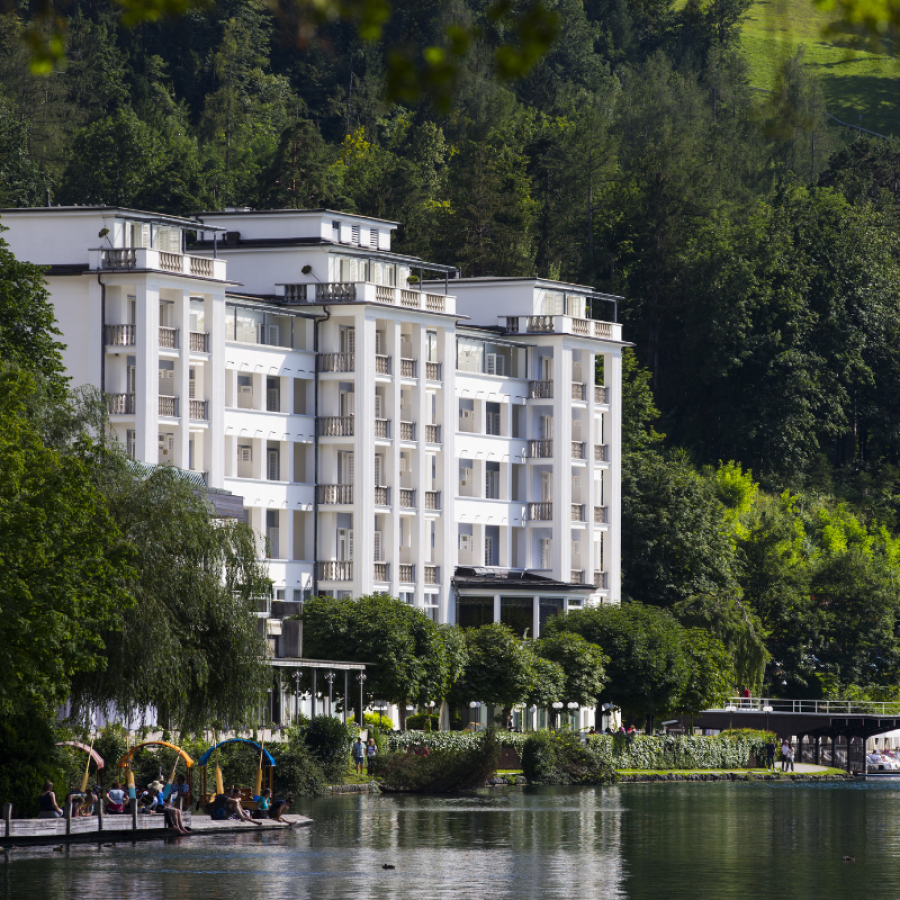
{"x":578,"y":449}
{"x":601,"y":452}
{"x":382,"y":496}
{"x":199,"y":341}
{"x":407,"y":431}
{"x":382,"y":365}
{"x":328,"y":494}
{"x":335,"y":570}
{"x":335,"y":362}
{"x":540,"y":449}
{"x":432,"y":574}
{"x":366,"y":292}
{"x":433,"y":434}
{"x":559,"y":324}
{"x":601,"y":394}
{"x":120,"y":404}
{"x":168,"y":338}
{"x":601,"y":515}
{"x":407,"y":498}
{"x":199,"y":410}
{"x":383,"y":428}
{"x":601,"y":580}
{"x":576,"y":576}
{"x":578,"y":512}
{"x":335,"y":426}
{"x":432,"y":500}
{"x":119,"y":335}
{"x":168,"y":406}
{"x":540,"y":390}
{"x":407,"y":368}
{"x":540,"y":325}
{"x":407,"y":574}
{"x":381,"y":570}
{"x":433,"y":371}
{"x":119,"y":258}
{"x":540,"y":512}
{"x":579,"y":391}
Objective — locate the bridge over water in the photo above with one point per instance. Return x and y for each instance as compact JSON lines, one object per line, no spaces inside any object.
{"x":827,"y":731}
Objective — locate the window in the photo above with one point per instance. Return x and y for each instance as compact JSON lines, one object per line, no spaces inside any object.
{"x":336,"y":231}
{"x":473,"y":612}
{"x":546,"y":368}
{"x":354,"y":234}
{"x":465,"y":542}
{"x":345,"y":544}
{"x":489,"y":551}
{"x":546,"y":487}
{"x":547,"y":427}
{"x":379,"y":406}
{"x":492,"y":485}
{"x":347,"y":403}
{"x":273,"y":395}
{"x":431,"y":346}
{"x":379,"y":343}
{"x":272,"y":471}
{"x":373,"y":238}
{"x":546,"y":561}
{"x":494,"y":364}
{"x":345,"y":467}
{"x":348,"y":340}
{"x":379,"y":470}
{"x":130,"y":442}
{"x":518,"y":614}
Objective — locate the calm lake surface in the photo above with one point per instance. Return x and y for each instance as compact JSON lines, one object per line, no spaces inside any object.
{"x":630,"y":841}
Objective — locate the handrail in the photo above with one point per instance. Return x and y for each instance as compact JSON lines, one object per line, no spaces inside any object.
{"x":811,"y":707}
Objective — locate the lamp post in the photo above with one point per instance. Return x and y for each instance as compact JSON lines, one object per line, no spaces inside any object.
{"x":361,"y":678}
{"x":330,"y":679}
{"x":572,"y":707}
{"x":430,"y":705}
{"x":474,"y":705}
{"x":557,"y":706}
{"x":297,"y":676}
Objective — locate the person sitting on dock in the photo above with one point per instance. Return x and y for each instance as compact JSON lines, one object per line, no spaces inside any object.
{"x":263,"y":805}
{"x":48,"y":808}
{"x":151,"y":799}
{"x":174,"y":818}
{"x":88,"y":801}
{"x":279,"y":808}
{"x":181,"y":791}
{"x":233,"y":805}
{"x":115,"y":799}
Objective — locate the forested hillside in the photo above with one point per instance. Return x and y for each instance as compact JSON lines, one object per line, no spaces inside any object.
{"x":754,"y":242}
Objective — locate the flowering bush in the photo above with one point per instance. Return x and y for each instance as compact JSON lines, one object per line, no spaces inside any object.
{"x":450,"y":740}
{"x":729,"y":750}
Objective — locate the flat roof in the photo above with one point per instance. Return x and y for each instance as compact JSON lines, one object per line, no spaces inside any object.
{"x":536,"y":280}
{"x":479,"y":577}
{"x":124,"y":211}
{"x":250,"y":211}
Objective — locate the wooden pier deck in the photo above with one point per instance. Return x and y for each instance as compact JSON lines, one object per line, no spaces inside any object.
{"x":35,"y":832}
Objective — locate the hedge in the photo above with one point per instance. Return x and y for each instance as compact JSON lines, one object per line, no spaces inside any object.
{"x":669,"y":751}
{"x":450,"y":740}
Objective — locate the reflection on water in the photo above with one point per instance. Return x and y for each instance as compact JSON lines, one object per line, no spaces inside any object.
{"x":716,"y":841}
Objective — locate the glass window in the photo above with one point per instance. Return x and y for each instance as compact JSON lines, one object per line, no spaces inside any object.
{"x":473,"y":612}
{"x":552,"y":303}
{"x":198,"y":315}
{"x":549,"y":607}
{"x":576,"y":306}
{"x":518,"y":613}
{"x":470,"y":355}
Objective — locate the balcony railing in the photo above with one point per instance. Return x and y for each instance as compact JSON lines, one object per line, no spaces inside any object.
{"x":433,"y":371}
{"x":432,"y":499}
{"x":120,"y":404}
{"x":407,"y":498}
{"x":168,"y":337}
{"x":578,"y":449}
{"x":335,"y":362}
{"x":382,"y":496}
{"x":338,"y":291}
{"x":582,"y":327}
{"x":151,"y":258}
{"x":603,"y":329}
{"x":432,"y":574}
{"x":407,"y":368}
{"x":540,"y":390}
{"x":579,"y":391}
{"x":540,"y":449}
{"x":540,"y":325}
{"x":435,"y":302}
{"x":601,"y":394}
{"x":202,"y":266}
{"x":382,"y":428}
{"x":578,"y":512}
{"x":410,"y":299}
{"x":385,"y":294}
{"x":295,"y":293}
{"x":407,"y":573}
{"x":381,"y":570}
{"x":170,"y":262}
{"x":382,"y":365}
{"x":601,"y":452}
{"x":120,"y":335}
{"x":122,"y":258}
{"x":168,"y":406}
{"x":540,"y":512}
{"x":601,"y":580}
{"x":335,"y":570}
{"x":407,"y":431}
{"x":433,"y":434}
{"x":576,"y":576}
{"x":334,"y":493}
{"x":601,"y":515}
{"x":199,"y":342}
{"x":199,"y":410}
{"x":335,"y":426}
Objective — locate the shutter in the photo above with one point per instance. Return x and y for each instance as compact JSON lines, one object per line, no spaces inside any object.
{"x":379,"y":466}
{"x":488,"y":551}
{"x":546,"y":487}
{"x":145,"y":234}
{"x":379,"y":343}
{"x":354,"y":233}
{"x":373,"y":238}
{"x":348,"y":468}
{"x":490,"y":366}
{"x":273,"y":465}
{"x":402,"y":465}
{"x":347,"y":404}
{"x":545,"y":553}
{"x":378,"y":547}
{"x":272,"y":335}
{"x":130,"y":377}
{"x":547,"y":368}
{"x":547,"y":427}
{"x":379,"y":406}
{"x":350,"y":544}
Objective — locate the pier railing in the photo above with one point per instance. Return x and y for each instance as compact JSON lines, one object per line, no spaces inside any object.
{"x":810,"y":707}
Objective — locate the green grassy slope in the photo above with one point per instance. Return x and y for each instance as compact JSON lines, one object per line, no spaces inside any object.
{"x":855,"y":82}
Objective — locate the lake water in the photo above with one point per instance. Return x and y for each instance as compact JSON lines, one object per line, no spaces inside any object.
{"x":714,"y":841}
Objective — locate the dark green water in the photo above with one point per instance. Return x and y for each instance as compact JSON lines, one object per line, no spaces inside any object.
{"x":716,"y":841}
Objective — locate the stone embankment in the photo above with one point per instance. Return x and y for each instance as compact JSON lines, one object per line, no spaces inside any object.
{"x":726,"y":776}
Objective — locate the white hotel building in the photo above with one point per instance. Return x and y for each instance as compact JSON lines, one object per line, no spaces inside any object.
{"x":439,"y":439}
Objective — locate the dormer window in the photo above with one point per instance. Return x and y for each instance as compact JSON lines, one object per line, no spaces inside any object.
{"x":354,"y":234}
{"x":373,"y":238}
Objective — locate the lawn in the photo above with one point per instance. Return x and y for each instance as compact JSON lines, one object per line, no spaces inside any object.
{"x":857,"y":83}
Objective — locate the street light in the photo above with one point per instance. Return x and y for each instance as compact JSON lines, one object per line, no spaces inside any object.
{"x":557,"y":706}
{"x":330,"y":679}
{"x":297,"y":676}
{"x":361,"y":678}
{"x":572,"y":707}
{"x":430,"y":704}
{"x":473,"y":705}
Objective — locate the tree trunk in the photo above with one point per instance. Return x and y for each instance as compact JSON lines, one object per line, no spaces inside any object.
{"x":650,"y":720}
{"x":401,"y":715}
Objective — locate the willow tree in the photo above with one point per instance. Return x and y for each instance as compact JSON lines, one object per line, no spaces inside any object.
{"x":189,"y":645}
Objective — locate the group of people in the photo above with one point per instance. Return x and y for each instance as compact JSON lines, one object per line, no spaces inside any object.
{"x":884,"y":759}
{"x":229,"y":805}
{"x":363,"y":754}
{"x":787,"y":755}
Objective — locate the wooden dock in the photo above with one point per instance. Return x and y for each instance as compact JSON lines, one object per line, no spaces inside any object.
{"x":123,"y":828}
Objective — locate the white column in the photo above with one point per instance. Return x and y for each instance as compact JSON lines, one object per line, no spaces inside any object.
{"x":536,"y":617}
{"x":420,"y":475}
{"x":214,"y":389}
{"x":392,"y":453}
{"x":496,"y":607}
{"x":364,"y":458}
{"x":562,"y":458}
{"x":96,"y":346}
{"x":182,"y":379}
{"x":614,"y":485}
{"x":147,"y":373}
{"x":447,"y":462}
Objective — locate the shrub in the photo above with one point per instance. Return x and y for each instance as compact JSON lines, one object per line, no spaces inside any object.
{"x":377,"y":720}
{"x":559,"y":757}
{"x":444,"y":771}
{"x":723,"y":751}
{"x":450,"y":740}
{"x":28,"y":758}
{"x":296,"y":771}
{"x":422,"y":722}
{"x":329,"y":741}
